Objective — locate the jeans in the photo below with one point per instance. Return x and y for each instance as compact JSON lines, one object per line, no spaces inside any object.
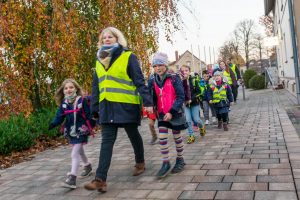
{"x":234,"y":89}
{"x":109,"y":136}
{"x":206,"y":107}
{"x":192,"y":114}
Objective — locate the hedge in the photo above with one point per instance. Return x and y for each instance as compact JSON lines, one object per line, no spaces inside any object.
{"x":249,"y":73}
{"x":257,"y":82}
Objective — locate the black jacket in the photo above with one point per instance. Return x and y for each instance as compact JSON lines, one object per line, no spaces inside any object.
{"x":121,"y":113}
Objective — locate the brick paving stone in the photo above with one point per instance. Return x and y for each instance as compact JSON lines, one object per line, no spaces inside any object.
{"x":213,"y":186}
{"x":197,"y":195}
{"x":281,"y":186}
{"x":280,"y":172}
{"x":219,"y":166}
{"x":162,"y":194}
{"x":275,"y":166}
{"x":237,"y":161}
{"x":276,"y":179}
{"x":250,"y":186}
{"x":134,"y":194}
{"x":243,"y":166}
{"x":252,"y":172}
{"x":198,"y":179}
{"x":181,"y":186}
{"x":271,"y":195}
{"x":235,"y":195}
{"x":239,"y":179}
{"x":221,"y":172}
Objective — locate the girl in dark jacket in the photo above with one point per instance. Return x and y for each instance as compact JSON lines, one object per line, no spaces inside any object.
{"x":220,"y":96}
{"x":75,"y":113}
{"x":192,"y":107}
{"x":168,"y":97}
{"x":118,"y":84}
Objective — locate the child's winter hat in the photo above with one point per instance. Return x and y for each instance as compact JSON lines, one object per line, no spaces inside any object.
{"x":160,"y":59}
{"x":218,"y":73}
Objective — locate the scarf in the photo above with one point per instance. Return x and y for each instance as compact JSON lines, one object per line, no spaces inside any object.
{"x":71,"y":98}
{"x":105,"y":53}
{"x":160,"y":82}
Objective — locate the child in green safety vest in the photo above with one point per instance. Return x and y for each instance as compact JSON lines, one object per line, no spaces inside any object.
{"x":206,"y":106}
{"x":220,"y":95}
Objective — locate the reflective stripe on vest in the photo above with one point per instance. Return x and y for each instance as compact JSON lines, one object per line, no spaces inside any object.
{"x":114,"y":84}
{"x":233,"y":67}
{"x":219,"y":94}
{"x":229,"y":80}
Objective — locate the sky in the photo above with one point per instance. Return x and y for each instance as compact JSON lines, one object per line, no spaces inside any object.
{"x":209,"y":23}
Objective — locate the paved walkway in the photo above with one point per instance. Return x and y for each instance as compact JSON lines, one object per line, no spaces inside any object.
{"x":258,"y":159}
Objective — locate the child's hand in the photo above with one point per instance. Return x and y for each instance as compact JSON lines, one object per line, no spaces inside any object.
{"x":167,"y":117}
{"x":210,"y":101}
{"x":51,"y":126}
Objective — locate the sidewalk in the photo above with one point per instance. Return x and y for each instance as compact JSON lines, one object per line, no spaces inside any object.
{"x":257,"y":159}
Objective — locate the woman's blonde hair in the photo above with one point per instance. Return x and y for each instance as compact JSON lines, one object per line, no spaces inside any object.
{"x":116,"y":32}
{"x":59,"y":94}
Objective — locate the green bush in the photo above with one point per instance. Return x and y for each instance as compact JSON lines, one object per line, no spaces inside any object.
{"x":19,"y":133}
{"x":249,"y":73}
{"x":257,"y":82}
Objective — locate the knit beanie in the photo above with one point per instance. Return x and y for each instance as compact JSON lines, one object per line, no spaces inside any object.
{"x":218,"y":73}
{"x":160,"y":59}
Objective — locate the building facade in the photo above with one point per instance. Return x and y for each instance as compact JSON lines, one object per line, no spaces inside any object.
{"x":187,"y":58}
{"x":279,"y":9}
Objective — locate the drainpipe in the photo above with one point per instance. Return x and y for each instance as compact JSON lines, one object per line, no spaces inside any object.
{"x":295,"y":52}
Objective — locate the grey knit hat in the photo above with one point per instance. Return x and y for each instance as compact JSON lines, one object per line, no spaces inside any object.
{"x":160,"y":59}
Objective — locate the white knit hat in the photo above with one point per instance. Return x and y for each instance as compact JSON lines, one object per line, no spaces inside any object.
{"x":160,"y":59}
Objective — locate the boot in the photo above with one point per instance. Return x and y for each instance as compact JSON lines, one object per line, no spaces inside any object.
{"x":70,"y":182}
{"x":96,"y":184}
{"x":220,"y":123}
{"x":87,"y":170}
{"x":179,"y":165}
{"x":164,"y":170}
{"x":225,"y":126}
{"x":139,"y":168}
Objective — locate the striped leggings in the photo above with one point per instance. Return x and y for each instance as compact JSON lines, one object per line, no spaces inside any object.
{"x":163,"y":142}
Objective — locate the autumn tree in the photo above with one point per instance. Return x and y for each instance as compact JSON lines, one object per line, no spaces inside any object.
{"x":44,"y":42}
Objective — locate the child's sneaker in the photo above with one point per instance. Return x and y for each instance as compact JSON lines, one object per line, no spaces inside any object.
{"x":70,"y":182}
{"x":191,"y":139}
{"x":164,"y":170}
{"x":87,"y":170}
{"x":179,"y":165}
{"x":214,"y":120}
{"x":206,"y":122}
{"x":202,"y":131}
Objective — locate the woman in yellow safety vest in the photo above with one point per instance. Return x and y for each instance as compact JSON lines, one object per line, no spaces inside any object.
{"x":117,"y":88}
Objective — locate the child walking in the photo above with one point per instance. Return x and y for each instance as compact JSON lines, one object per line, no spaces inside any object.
{"x":168,"y":97}
{"x":75,"y":113}
{"x":206,"y":105}
{"x":192,"y":107}
{"x":221,"y":97}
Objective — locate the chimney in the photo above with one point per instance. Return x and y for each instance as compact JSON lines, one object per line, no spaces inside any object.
{"x":176,"y":56}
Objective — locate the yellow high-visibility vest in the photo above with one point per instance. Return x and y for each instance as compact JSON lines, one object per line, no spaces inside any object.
{"x":227,"y":75}
{"x":233,"y":67}
{"x":114,"y":84}
{"x":219,"y":94}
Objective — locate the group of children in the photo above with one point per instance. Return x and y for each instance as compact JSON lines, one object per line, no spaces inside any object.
{"x":177,"y":101}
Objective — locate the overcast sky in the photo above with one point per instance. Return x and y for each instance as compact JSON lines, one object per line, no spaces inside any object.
{"x":209,"y":23}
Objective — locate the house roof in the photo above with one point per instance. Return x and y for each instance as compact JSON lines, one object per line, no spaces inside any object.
{"x":269,"y":5}
{"x":180,"y":57}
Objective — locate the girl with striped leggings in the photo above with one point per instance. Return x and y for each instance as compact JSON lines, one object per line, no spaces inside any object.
{"x":168,"y":97}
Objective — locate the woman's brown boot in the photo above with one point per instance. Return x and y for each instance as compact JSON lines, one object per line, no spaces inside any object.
{"x":139,"y":168}
{"x":220,"y":123}
{"x":225,"y":126}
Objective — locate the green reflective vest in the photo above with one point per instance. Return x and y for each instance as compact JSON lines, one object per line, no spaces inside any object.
{"x":219,"y":94}
{"x":227,"y":75}
{"x":233,"y":67}
{"x":114,"y":84}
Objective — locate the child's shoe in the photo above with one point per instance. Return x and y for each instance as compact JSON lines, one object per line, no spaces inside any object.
{"x":214,"y":120}
{"x":70,"y":182}
{"x":96,"y":184}
{"x":191,"y":139}
{"x":206,"y":122}
{"x":220,"y":123}
{"x":87,"y":170}
{"x":164,"y":170}
{"x":202,"y":131}
{"x":179,"y":165}
{"x":225,"y":126}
